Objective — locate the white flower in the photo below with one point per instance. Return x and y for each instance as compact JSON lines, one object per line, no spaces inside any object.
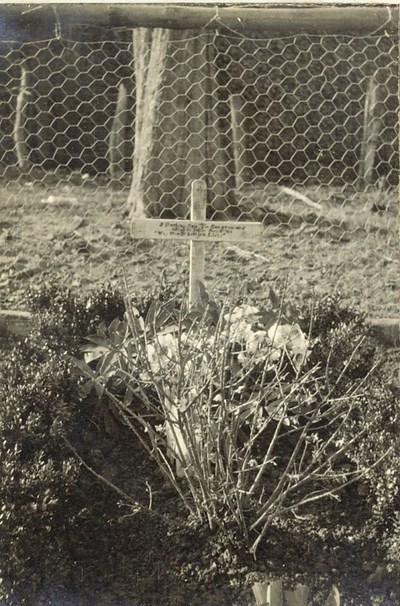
{"x":153,"y":358}
{"x":289,"y":338}
{"x":168,"y":343}
{"x":242,"y":312}
{"x":255,"y":341}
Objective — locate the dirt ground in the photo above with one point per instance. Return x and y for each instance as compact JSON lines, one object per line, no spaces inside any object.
{"x":75,"y":229}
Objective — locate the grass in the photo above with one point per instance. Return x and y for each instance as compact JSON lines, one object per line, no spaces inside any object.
{"x":78,"y":232}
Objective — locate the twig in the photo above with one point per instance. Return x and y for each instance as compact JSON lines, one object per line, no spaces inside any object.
{"x":115,"y":488}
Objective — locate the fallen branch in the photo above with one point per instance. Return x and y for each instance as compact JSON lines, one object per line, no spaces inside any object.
{"x":244,"y":254}
{"x":298,"y":196}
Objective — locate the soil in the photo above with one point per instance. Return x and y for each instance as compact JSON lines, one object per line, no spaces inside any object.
{"x":74,"y":229}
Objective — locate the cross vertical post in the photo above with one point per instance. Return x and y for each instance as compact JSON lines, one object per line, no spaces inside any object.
{"x":198,"y":231}
{"x":197,"y":248}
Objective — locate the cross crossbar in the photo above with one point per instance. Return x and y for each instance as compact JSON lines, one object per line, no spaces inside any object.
{"x":202,"y":231}
{"x":197,"y":231}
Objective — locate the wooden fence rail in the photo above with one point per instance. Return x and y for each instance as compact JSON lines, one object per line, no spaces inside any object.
{"x":272,"y":20}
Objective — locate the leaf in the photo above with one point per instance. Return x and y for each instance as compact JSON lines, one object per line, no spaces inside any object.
{"x":137,"y":325}
{"x":101,"y":348}
{"x":102,"y":331}
{"x":96,"y":339}
{"x":268,"y":318}
{"x":131,"y":351}
{"x":193,"y":316}
{"x":94,"y":354}
{"x":86,"y":388}
{"x":150,"y":319}
{"x":99,"y":389}
{"x":289,"y":312}
{"x":106,"y":365}
{"x":273,"y":297}
{"x":116,"y":330}
{"x":82,"y":366}
{"x":165,"y":315}
{"x":168,"y":329}
{"x":213,"y":313}
{"x":204,"y":296}
{"x":128,"y":397}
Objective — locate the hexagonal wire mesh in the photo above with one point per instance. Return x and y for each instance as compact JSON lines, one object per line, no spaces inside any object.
{"x":299,"y":133}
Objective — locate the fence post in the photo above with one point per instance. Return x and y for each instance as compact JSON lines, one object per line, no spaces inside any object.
{"x":117,"y":135}
{"x":238,"y":139}
{"x":371,"y":129}
{"x":19,"y":133}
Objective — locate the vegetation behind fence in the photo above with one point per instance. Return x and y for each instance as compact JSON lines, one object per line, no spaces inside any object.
{"x":99,"y":121}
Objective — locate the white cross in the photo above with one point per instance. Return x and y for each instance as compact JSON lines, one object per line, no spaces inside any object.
{"x":198,"y":231}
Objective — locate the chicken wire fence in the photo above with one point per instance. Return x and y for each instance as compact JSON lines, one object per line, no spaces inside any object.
{"x":298,"y":132}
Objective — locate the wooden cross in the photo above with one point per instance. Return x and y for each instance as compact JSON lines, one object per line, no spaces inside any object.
{"x":198,"y":231}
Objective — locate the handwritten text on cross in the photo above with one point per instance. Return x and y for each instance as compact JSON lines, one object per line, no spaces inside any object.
{"x":197,"y":231}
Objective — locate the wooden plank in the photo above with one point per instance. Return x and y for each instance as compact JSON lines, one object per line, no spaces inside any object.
{"x":260,"y":591}
{"x":181,"y":229}
{"x":297,"y":596}
{"x":334,"y":597}
{"x":150,"y":56}
{"x":271,"y":20}
{"x":275,"y":594}
{"x":197,"y":249}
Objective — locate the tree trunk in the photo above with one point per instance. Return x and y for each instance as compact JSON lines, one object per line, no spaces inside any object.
{"x":181,"y":141}
{"x":149,"y":49}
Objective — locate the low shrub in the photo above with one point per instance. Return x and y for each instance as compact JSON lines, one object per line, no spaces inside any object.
{"x":262,"y":428}
{"x":210,"y":445}
{"x":55,"y":514}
